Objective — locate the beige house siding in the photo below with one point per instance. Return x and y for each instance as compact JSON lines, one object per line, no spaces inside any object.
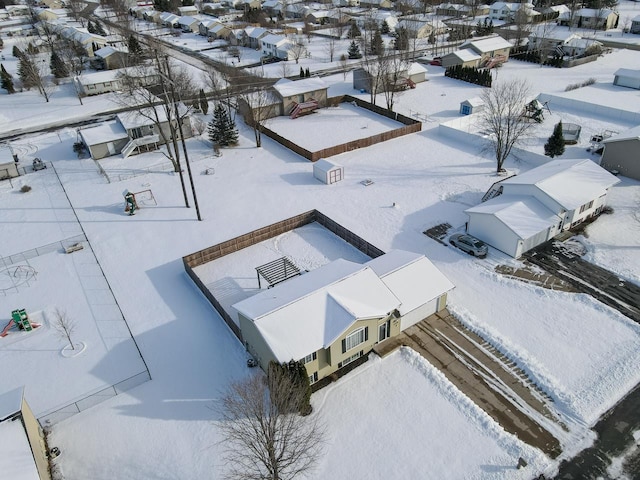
{"x":254,"y":343}
{"x":36,"y":441}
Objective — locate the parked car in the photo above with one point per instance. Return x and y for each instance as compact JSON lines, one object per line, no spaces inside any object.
{"x":436,"y":61}
{"x":469,"y":244}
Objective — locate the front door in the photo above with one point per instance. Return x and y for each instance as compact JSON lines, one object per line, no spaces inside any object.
{"x":384,"y":331}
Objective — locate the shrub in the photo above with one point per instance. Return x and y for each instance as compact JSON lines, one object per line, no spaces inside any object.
{"x":574,"y":86}
{"x":25,"y":189}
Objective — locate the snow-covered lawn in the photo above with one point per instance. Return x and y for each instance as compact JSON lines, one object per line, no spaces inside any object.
{"x":395,"y":417}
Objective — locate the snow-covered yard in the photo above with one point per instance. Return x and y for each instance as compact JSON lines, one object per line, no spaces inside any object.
{"x":395,"y":417}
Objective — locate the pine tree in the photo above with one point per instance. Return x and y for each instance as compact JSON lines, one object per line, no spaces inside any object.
{"x":354,"y":32}
{"x":58,"y":67}
{"x":402,"y":39}
{"x":134,"y":46}
{"x":555,"y":145}
{"x":6,"y":81}
{"x":90,"y":27}
{"x":25,"y":72}
{"x":301,"y":72}
{"x":222,"y":130}
{"x":384,"y":28}
{"x":100,"y":29}
{"x":204,"y":103}
{"x":354,"y":51}
{"x":306,"y":73}
{"x":16,"y":52}
{"x":376,"y":43}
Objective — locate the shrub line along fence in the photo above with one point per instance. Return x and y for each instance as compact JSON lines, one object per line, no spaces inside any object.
{"x":265,"y":233}
{"x":410,"y":126}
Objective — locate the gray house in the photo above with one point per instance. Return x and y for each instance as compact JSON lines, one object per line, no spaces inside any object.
{"x":622,"y":153}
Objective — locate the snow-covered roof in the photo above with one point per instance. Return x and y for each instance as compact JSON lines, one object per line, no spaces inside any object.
{"x":487,"y":44}
{"x":325,"y":165}
{"x":571,"y":183}
{"x":106,"y":132}
{"x":545,"y":33}
{"x":142,"y":117}
{"x":105,"y":52}
{"x":594,"y":13}
{"x":310,"y":312}
{"x":288,"y":88}
{"x":16,"y":461}
{"x":627,"y":72}
{"x":474,"y":102}
{"x":416,"y":68}
{"x":113,"y":75}
{"x":10,"y":403}
{"x":273,"y":39}
{"x":466,"y":55}
{"x":522,"y":214}
{"x":256,"y":32}
{"x":631,"y":134}
{"x":412,"y":278}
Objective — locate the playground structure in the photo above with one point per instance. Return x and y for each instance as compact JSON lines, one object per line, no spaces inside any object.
{"x":534,"y":110}
{"x":133,"y":200}
{"x":14,"y":276}
{"x":20,"y":319}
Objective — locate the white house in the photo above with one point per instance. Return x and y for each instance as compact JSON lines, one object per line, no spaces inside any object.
{"x":335,"y":314}
{"x":276,"y":46}
{"x":531,"y":208}
{"x":327,"y":171}
{"x":111,"y":80}
{"x":507,"y":11}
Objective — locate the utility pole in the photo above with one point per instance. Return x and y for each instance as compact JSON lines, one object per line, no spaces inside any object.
{"x":184,"y":146}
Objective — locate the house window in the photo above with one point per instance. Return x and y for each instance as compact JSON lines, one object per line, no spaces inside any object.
{"x":586,"y":206}
{"x":310,"y":358}
{"x":353,"y":357}
{"x":313,"y":378}
{"x":355,"y":339}
{"x":466,"y":110}
{"x":92,"y":87}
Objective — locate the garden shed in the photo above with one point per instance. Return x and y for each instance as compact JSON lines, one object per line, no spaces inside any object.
{"x":625,"y":77}
{"x":328,"y":172}
{"x":471,"y":105}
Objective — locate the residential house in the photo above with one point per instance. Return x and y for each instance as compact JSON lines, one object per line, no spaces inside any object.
{"x":167,"y":19}
{"x":506,"y":11}
{"x":189,"y":24}
{"x":335,"y":314}
{"x":109,"y":58}
{"x":188,"y":11}
{"x":635,"y":24}
{"x":111,"y":80}
{"x":24,"y":452}
{"x":252,"y":35}
{"x":526,"y":210}
{"x":138,"y":11}
{"x":559,"y":42}
{"x":205,"y":25}
{"x":132,"y":132}
{"x":590,"y":18}
{"x":465,"y":58}
{"x":422,"y":26}
{"x":151,"y":15}
{"x":406,"y":78}
{"x":278,"y":46}
{"x":626,"y":77}
{"x":458,"y":10}
{"x":308,"y":93}
{"x":52,"y":14}
{"x":622,"y":153}
{"x":17,"y":10}
{"x":89,"y":42}
{"x":381,"y":4}
{"x":272,"y":8}
{"x":491,"y":49}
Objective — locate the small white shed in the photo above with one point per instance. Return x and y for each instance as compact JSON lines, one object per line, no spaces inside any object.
{"x":471,"y":105}
{"x":625,"y":77}
{"x":328,"y":172}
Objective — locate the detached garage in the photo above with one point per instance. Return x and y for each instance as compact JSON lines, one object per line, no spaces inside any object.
{"x":513,"y":224}
{"x":625,"y":77}
{"x":328,"y":172}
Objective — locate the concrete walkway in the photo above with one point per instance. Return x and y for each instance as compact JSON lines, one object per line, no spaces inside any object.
{"x":483,"y":374}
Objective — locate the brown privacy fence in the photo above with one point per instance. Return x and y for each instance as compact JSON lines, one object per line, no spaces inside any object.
{"x":410,"y":126}
{"x":243,"y":241}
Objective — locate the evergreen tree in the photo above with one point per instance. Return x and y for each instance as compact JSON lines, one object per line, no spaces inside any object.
{"x":354,"y":32}
{"x":402,"y":39}
{"x":306,"y":73}
{"x":376,"y":43}
{"x":58,"y":67}
{"x":555,"y":145}
{"x":16,"y":52}
{"x":90,"y":27}
{"x":222,"y":130}
{"x":100,"y":29}
{"x":26,"y":69}
{"x":354,"y":51}
{"x":384,"y":28}
{"x":134,"y":46}
{"x":301,"y":72}
{"x":204,"y":103}
{"x":6,"y":81}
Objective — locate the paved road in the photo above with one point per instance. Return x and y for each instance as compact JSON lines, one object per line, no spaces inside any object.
{"x":487,"y":379}
{"x":585,"y":277}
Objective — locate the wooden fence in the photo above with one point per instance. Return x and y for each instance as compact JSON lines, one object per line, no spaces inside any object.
{"x":410,"y":126}
{"x":243,"y":241}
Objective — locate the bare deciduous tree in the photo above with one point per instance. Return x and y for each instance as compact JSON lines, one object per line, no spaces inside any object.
{"x":257,"y":106}
{"x":298,"y":50}
{"x":265,"y":436}
{"x":64,"y":326}
{"x":502,"y":116}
